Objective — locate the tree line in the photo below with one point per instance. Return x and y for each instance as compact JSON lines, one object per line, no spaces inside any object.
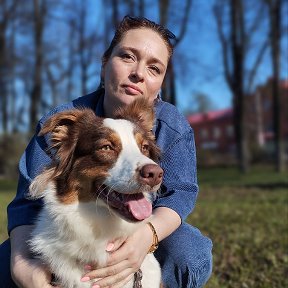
{"x":51,"y":51}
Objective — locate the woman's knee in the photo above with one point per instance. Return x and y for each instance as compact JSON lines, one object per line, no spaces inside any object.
{"x":187,"y":255}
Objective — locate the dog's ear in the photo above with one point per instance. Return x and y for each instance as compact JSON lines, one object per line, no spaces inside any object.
{"x":64,"y":129}
{"x":140,"y":111}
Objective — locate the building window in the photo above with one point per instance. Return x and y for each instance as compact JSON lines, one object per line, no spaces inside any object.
{"x":204,"y":134}
{"x":267,"y":105}
{"x":229,"y":131}
{"x":216,"y":132}
{"x":209,"y":145}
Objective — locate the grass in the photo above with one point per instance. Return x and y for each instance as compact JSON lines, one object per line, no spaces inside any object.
{"x":244,"y":215}
{"x":7,"y":193}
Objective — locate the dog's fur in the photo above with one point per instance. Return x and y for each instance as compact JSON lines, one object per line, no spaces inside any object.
{"x":100,"y":166}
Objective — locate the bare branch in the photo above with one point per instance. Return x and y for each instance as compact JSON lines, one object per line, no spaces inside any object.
{"x":256,"y":65}
{"x":224,"y":42}
{"x":184,"y":22}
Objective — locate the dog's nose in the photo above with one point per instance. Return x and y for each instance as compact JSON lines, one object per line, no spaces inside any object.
{"x":151,"y":174}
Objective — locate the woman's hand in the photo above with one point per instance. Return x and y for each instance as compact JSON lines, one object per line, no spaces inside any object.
{"x":30,"y":273}
{"x":125,"y":258}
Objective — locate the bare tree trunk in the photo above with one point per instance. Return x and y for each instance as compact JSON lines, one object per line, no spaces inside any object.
{"x":83,"y":63}
{"x":115,"y":15}
{"x":238,"y":54}
{"x":169,"y":86}
{"x":234,"y":49}
{"x":39,"y":11}
{"x":275,"y":39}
{"x":3,"y":78}
{"x":131,"y":6}
{"x":141,"y":8}
{"x":259,"y":120}
{"x":7,"y":9}
{"x":163,"y":11}
{"x":12,"y":84}
{"x":71,"y":64}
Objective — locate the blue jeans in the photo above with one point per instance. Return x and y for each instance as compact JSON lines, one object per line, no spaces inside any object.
{"x":185,"y":258}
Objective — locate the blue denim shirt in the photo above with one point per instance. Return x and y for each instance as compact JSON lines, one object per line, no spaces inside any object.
{"x":173,"y":134}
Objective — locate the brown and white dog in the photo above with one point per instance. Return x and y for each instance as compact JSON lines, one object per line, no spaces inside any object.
{"x":98,"y":188}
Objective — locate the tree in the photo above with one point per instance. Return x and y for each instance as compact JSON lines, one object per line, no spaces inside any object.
{"x":169,"y":86}
{"x":7,"y":10}
{"x":235,"y":47}
{"x":274,"y":7}
{"x":36,"y":93}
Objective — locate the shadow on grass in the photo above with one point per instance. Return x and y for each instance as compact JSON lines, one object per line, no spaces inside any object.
{"x":267,"y":186}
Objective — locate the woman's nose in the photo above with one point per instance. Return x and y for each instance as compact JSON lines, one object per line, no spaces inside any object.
{"x":137,"y":74}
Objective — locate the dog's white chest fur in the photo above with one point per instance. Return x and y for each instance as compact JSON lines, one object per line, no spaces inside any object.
{"x":72,"y":236}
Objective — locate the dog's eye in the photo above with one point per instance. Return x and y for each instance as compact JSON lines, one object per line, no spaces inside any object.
{"x":106,"y":148}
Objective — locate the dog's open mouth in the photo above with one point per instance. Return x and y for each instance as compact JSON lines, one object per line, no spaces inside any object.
{"x":134,"y":207}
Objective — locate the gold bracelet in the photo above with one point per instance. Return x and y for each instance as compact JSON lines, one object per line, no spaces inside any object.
{"x":155,"y":243}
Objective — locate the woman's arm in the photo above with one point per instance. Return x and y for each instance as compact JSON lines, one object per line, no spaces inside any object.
{"x":165,"y":221}
{"x":26,"y":271}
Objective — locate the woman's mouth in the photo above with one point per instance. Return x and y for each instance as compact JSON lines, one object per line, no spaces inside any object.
{"x":132,"y":90}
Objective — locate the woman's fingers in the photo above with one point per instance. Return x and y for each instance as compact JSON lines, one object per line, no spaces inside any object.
{"x":117,"y":280}
{"x":127,"y":251}
{"x":107,"y":271}
{"x":115,"y":244}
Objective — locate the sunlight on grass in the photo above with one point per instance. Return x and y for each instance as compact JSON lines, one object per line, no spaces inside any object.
{"x":246,"y":217}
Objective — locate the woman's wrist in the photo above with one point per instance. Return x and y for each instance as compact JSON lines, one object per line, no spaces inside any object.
{"x":155,"y":240}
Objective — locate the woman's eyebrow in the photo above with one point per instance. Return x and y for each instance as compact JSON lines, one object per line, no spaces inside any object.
{"x":136,"y":51}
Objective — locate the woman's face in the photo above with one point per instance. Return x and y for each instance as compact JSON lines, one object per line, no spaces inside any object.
{"x":136,"y":67}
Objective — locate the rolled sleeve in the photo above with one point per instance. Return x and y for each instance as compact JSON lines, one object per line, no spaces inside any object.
{"x":179,"y":189}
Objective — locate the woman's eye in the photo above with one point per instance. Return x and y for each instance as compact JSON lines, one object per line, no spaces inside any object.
{"x":155,"y":69}
{"x":127,"y":56}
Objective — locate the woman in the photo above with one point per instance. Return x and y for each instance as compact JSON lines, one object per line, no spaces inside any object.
{"x":134,"y":65}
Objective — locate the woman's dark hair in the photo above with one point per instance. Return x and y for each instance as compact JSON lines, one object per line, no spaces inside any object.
{"x":129,"y":23}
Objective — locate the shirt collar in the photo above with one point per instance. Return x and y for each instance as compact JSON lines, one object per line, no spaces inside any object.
{"x":99,"y":110}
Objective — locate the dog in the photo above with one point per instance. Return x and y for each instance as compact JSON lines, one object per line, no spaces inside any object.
{"x":100,"y":185}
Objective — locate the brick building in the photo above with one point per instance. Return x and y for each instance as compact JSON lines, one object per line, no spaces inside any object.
{"x":214,"y":130}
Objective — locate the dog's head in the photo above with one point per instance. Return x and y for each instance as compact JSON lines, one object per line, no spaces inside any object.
{"x":113,"y":160}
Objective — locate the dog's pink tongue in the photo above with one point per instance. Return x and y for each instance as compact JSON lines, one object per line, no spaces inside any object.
{"x":139,"y":206}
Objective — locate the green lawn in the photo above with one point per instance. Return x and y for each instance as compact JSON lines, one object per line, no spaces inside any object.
{"x":244,"y":215}
{"x":7,"y":193}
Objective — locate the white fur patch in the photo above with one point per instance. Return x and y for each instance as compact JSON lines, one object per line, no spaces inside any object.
{"x":129,"y":160}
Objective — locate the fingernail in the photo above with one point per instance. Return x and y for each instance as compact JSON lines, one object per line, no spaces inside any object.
{"x":109,"y":248}
{"x":87,"y":267}
{"x":85,"y":279}
{"x":95,"y":286}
